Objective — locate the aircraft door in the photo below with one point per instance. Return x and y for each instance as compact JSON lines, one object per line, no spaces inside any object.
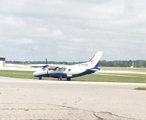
{"x":69,"y":73}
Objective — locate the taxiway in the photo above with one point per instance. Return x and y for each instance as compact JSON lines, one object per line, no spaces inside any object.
{"x":33,"y":99}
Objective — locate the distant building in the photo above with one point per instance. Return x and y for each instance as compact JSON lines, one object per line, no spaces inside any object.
{"x":2,"y":62}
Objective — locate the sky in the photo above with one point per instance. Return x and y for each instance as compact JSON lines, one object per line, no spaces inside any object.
{"x":72,"y":30}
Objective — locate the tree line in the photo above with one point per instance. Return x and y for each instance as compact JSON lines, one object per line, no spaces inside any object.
{"x":104,"y":63}
{"x":123,"y":63}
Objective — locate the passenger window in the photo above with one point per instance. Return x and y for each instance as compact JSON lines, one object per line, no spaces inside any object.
{"x":64,"y":69}
{"x":59,"y":69}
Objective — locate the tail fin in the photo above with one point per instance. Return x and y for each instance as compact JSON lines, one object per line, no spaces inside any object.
{"x":94,"y":61}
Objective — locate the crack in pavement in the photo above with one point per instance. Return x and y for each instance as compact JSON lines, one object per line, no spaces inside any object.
{"x":99,"y":118}
{"x":74,"y":111}
{"x":110,"y":116}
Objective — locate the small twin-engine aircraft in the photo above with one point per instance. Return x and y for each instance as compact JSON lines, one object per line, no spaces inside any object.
{"x":69,"y":71}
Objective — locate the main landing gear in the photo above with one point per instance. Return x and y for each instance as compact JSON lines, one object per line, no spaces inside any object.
{"x":60,"y":78}
{"x":68,"y":79}
{"x":40,"y":78}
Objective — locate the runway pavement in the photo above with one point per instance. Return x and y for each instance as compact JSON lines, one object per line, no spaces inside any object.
{"x":22,"y":99}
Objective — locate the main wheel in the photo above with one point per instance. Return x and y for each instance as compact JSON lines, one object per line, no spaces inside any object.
{"x":40,"y":78}
{"x":59,"y":78}
{"x":68,"y":79}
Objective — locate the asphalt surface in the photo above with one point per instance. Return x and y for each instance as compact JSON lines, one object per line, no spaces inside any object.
{"x":22,"y":99}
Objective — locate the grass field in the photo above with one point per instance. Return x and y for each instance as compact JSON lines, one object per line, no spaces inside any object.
{"x":101,"y":77}
{"x":140,"y":88}
{"x":97,"y":77}
{"x":17,"y":74}
{"x":124,"y":69}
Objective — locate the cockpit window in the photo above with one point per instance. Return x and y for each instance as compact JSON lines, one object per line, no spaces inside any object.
{"x":69,"y":69}
{"x":43,"y":69}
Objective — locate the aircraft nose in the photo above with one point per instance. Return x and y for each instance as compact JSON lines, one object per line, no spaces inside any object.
{"x":35,"y":73}
{"x":39,"y":73}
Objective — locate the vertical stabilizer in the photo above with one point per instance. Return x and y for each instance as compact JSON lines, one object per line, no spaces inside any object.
{"x":94,"y":61}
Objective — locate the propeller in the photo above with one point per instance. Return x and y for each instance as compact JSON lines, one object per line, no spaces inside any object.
{"x":46,"y":64}
{"x":46,"y":61}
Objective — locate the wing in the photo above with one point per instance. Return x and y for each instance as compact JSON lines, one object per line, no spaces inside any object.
{"x":49,"y":66}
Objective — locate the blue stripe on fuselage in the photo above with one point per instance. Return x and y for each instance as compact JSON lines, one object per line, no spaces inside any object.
{"x":63,"y":75}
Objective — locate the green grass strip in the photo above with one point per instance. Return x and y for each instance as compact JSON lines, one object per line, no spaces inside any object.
{"x":140,"y":88}
{"x":97,"y":77}
{"x":17,"y":74}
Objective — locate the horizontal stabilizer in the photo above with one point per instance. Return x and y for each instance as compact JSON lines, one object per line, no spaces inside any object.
{"x":37,"y":65}
{"x":94,"y":70}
